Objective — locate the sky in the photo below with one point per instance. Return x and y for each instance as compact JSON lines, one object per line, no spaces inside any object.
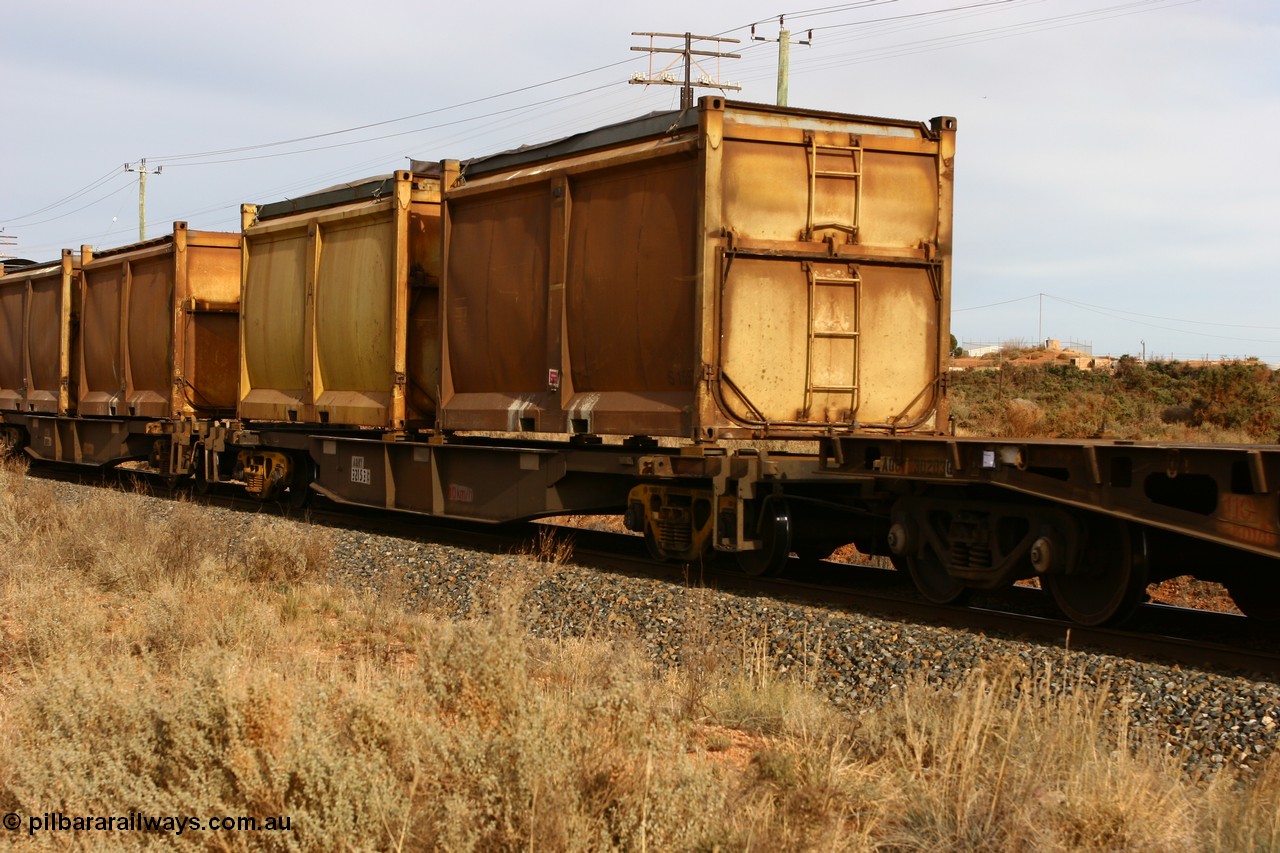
{"x":1116,"y":172}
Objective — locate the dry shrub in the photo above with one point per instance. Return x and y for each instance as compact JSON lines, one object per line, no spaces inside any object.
{"x":1012,"y":762}
{"x":1021,"y":417}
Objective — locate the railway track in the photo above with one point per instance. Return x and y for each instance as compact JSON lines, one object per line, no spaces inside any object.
{"x":1218,"y":642}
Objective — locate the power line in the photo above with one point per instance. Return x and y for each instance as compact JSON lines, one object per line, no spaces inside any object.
{"x":461,"y":105}
{"x":90,"y":187}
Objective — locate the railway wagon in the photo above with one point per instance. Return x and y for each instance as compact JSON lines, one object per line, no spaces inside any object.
{"x":145,"y":343}
{"x":339,"y":323}
{"x":734,"y":271}
{"x":37,"y":370}
{"x":737,"y":272}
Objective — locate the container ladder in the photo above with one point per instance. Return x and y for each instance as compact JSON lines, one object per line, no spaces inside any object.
{"x":837,"y":286}
{"x":853,"y":173}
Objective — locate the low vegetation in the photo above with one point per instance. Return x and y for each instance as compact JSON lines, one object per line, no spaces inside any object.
{"x":156,"y":664}
{"x":1232,"y":402}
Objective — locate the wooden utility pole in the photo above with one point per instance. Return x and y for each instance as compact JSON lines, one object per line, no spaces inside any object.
{"x":664,"y":76}
{"x":142,"y":194}
{"x":784,"y":55}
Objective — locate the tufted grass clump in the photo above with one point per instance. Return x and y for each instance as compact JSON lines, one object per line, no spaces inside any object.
{"x":152,"y":663}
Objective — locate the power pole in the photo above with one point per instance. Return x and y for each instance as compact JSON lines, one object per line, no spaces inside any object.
{"x":687,"y":53}
{"x":142,"y":194}
{"x":784,"y":55}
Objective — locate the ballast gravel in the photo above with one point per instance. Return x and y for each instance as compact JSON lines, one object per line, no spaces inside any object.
{"x":856,"y":660}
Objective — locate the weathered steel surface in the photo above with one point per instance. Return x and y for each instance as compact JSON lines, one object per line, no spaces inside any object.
{"x":340,"y":306}
{"x":158,"y":326}
{"x":36,"y":306}
{"x":1225,"y":494}
{"x":741,"y":271}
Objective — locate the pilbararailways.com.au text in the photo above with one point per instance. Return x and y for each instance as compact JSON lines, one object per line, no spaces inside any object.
{"x":136,"y":822}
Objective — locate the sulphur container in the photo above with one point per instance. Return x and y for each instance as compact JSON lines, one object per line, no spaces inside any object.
{"x":158,"y":325}
{"x":340,"y":304}
{"x":737,"y":270}
{"x":37,"y":304}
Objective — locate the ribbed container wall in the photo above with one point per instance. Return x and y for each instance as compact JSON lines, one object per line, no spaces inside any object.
{"x":158,"y":327}
{"x":37,"y":305}
{"x":339,"y":309}
{"x":735,"y":271}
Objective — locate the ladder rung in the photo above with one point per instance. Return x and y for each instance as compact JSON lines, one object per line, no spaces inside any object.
{"x":834,"y":389}
{"x":841,"y":335}
{"x":827,"y":174}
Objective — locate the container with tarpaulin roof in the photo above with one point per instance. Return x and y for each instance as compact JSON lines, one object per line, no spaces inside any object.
{"x":340,"y":305}
{"x":736,"y":270}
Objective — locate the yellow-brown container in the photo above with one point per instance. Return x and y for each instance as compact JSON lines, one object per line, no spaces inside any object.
{"x":158,"y":327}
{"x":734,"y":271}
{"x":340,"y":303}
{"x":36,"y":365}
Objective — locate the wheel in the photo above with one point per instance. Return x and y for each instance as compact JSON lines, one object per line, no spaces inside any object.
{"x":770,"y":560}
{"x":652,"y":546}
{"x":929,"y":574}
{"x":1112,"y":577}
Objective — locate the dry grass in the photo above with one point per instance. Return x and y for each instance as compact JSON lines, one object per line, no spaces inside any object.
{"x":152,"y":663}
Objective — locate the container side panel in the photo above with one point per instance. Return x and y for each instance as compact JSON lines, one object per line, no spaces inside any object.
{"x":102,"y":373}
{"x":211,"y":336}
{"x":828,"y":343}
{"x":213,"y":273}
{"x":272,"y":308}
{"x":765,"y":189}
{"x":899,"y":344}
{"x":354,"y":325}
{"x":632,"y":280}
{"x":214,"y":339}
{"x":13,"y":295}
{"x":497,"y":294}
{"x":899,"y":200}
{"x":764,"y":338}
{"x":150,"y":335}
{"x":45,"y":344}
{"x":885,"y":199}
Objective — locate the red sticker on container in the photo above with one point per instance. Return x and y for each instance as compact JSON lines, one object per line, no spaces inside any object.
{"x":553,"y":379}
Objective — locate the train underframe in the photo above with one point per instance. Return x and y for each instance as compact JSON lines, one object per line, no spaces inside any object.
{"x":1095,"y":521}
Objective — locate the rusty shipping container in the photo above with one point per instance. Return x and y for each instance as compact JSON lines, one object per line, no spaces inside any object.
{"x":732,"y":271}
{"x":158,"y":327}
{"x":339,"y":306}
{"x":37,"y":305}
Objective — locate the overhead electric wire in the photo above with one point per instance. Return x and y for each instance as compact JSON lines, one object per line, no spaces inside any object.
{"x":167,"y":159}
{"x":1154,"y":316}
{"x":391,"y":135}
{"x":118,"y":170}
{"x":1115,"y":314}
{"x":881,"y":25}
{"x":994,"y":304}
{"x":805,"y":65}
{"x":114,"y":192}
